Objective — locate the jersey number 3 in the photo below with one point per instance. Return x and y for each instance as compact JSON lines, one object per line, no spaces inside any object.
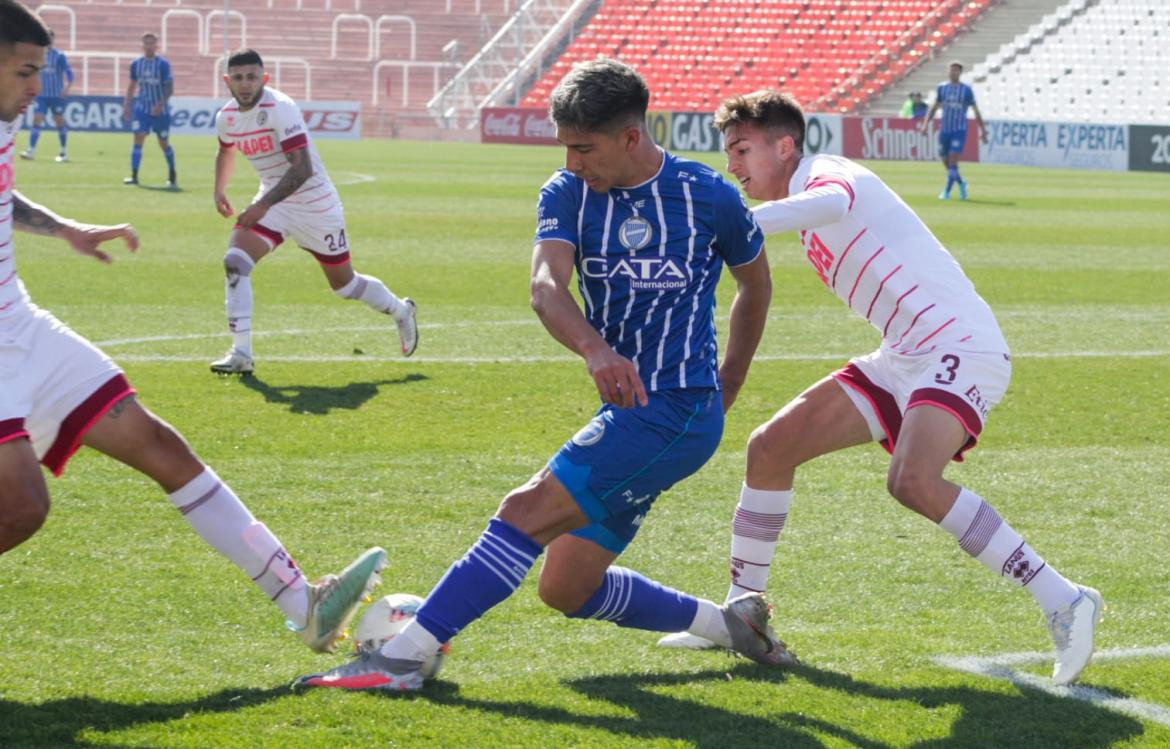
{"x":950,"y":364}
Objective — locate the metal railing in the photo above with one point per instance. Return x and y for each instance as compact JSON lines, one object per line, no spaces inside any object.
{"x":273,"y":63}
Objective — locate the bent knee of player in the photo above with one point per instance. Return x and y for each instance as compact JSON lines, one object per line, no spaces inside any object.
{"x":772,"y":445}
{"x":237,"y":263}
{"x":24,"y":506}
{"x":565,"y":595}
{"x":912,"y":485}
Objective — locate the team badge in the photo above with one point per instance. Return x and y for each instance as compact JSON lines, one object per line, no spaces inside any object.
{"x":590,"y":434}
{"x":262,"y":118}
{"x":635,"y":233}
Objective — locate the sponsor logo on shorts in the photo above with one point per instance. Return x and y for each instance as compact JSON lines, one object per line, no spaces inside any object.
{"x":590,"y":434}
{"x":975,"y":398}
{"x":628,"y":495}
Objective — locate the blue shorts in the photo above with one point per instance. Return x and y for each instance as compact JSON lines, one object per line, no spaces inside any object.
{"x":618,"y":463}
{"x":145,"y":122}
{"x":46,"y":104}
{"x":951,"y":141}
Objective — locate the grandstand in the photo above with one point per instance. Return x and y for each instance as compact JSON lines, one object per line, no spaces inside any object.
{"x":421,"y":65}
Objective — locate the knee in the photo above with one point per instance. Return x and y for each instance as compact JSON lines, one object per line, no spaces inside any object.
{"x":910,"y":485}
{"x":768,"y":445}
{"x":24,"y":512}
{"x":566,"y":596}
{"x":237,"y":263}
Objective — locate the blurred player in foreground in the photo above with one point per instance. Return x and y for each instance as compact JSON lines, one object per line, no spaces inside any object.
{"x":648,"y":234}
{"x":296,"y":198}
{"x":924,"y":395}
{"x":59,"y":392}
{"x":56,"y":80}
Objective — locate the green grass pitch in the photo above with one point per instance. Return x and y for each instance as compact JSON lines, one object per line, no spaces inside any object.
{"x":122,"y":629}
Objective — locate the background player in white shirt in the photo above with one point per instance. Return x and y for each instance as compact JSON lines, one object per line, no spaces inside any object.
{"x":924,"y":394}
{"x":59,"y":392}
{"x":296,"y":198}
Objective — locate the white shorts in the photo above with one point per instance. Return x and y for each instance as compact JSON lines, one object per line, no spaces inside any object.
{"x":320,"y":232}
{"x":885,"y":385}
{"x":54,"y":386}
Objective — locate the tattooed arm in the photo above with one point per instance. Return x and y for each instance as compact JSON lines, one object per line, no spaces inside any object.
{"x":300,"y":169}
{"x":30,"y":217}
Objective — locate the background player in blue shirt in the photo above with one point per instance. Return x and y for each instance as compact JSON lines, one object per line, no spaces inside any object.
{"x":150,"y":89}
{"x":648,"y":234}
{"x":954,"y":98}
{"x":56,"y":79}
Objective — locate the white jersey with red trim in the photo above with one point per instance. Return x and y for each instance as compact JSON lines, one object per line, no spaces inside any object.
{"x":273,"y":127}
{"x":878,"y":257}
{"x":13,"y":297}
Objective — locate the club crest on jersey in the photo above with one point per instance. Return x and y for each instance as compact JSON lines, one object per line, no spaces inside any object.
{"x":262,"y":118}
{"x":635,"y":233}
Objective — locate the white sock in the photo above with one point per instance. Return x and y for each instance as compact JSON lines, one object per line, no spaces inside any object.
{"x":413,"y":643}
{"x":222,"y":520}
{"x":708,"y":623}
{"x":238,"y":298}
{"x":374,"y":293}
{"x":983,"y":534}
{"x":759,"y":518}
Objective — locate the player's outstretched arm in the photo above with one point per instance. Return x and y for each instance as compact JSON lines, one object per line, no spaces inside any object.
{"x":30,"y":217}
{"x":749,"y":312}
{"x":615,"y":376}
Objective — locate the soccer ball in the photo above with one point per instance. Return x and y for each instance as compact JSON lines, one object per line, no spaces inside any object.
{"x":387,"y":617}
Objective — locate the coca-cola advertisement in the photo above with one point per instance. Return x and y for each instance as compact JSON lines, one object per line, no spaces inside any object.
{"x":895,"y":138}
{"x":515,"y":125}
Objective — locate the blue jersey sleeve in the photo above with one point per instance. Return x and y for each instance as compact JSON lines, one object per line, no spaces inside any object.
{"x":165,"y":71}
{"x":66,"y":70}
{"x":556,"y":210}
{"x":970,"y":98}
{"x":134,"y":71}
{"x":738,"y":238}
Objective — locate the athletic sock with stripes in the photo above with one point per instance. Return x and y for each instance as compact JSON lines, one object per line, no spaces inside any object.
{"x":759,"y":518}
{"x":631,"y":600}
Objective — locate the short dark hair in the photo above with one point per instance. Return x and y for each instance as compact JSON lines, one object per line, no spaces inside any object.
{"x":599,"y":96}
{"x":774,"y":111}
{"x":19,"y":25}
{"x":244,"y":57}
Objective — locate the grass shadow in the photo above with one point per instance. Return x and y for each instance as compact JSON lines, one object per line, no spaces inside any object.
{"x":320,"y":399}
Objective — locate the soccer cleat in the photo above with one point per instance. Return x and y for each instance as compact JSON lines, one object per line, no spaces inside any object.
{"x":746,"y":618}
{"x":334,"y":598}
{"x":369,"y":671}
{"x":944,"y":195}
{"x":962,"y":189}
{"x":233,"y":362}
{"x":27,"y":155}
{"x":686,"y":641}
{"x":408,"y":328}
{"x":1072,"y":631}
{"x":61,"y":158}
{"x":129,"y":180}
{"x":172,"y":181}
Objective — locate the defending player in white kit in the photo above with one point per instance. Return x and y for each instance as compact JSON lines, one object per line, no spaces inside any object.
{"x":924,"y":394}
{"x":59,"y":392}
{"x":296,"y":199}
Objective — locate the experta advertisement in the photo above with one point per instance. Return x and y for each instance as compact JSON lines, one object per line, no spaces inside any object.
{"x":516,"y":125}
{"x":899,"y":139}
{"x":1149,"y":148}
{"x":1070,"y":145}
{"x":196,"y":116}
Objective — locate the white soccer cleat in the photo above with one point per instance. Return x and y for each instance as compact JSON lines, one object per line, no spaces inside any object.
{"x":686,"y":641}
{"x":233,"y":362}
{"x":1072,"y":631}
{"x":747,"y":618}
{"x":27,"y":155}
{"x":408,"y":327}
{"x":61,"y":158}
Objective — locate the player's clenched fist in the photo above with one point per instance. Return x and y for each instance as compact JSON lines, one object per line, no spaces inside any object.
{"x":223,"y":205}
{"x":616,"y":378}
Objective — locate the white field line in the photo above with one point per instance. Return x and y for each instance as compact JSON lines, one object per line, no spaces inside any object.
{"x":506,"y":359}
{"x":352,"y":178}
{"x":1001,"y":667}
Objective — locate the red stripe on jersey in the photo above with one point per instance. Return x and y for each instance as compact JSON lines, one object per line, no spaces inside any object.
{"x":6,"y":306}
{"x":822,"y":181}
{"x":269,"y":168}
{"x":932,"y":335}
{"x":841,"y":262}
{"x":895,"y":312}
{"x":82,"y":418}
{"x":877,"y":293}
{"x":266,"y":106}
{"x":884,"y":405}
{"x":11,"y":429}
{"x":964,"y":339}
{"x":6,"y":202}
{"x":250,"y":132}
{"x":308,"y":202}
{"x":10,"y":276}
{"x":849,"y":301}
{"x":6,"y":148}
{"x":913,"y":323}
{"x":295,"y":143}
{"x":231,"y":109}
{"x":222,"y":144}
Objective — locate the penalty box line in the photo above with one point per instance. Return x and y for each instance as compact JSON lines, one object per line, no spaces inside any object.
{"x":1004,"y":667}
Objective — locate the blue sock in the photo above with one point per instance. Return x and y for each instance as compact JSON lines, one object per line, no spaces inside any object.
{"x":170,"y":154}
{"x":488,"y":573}
{"x":63,"y":136}
{"x":958,"y":177}
{"x":950,"y":177}
{"x":135,"y":158}
{"x":33,"y":137}
{"x":630,"y":600}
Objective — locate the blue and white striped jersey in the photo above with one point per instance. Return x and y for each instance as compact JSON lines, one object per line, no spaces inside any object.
{"x":648,"y":259}
{"x":954,"y":99}
{"x":150,"y":73}
{"x":55,"y":74}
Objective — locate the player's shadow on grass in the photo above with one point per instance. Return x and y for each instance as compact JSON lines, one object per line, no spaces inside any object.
{"x":986,"y":718}
{"x":60,"y":723}
{"x":159,"y":188}
{"x":319,"y":399}
{"x":997,"y":203}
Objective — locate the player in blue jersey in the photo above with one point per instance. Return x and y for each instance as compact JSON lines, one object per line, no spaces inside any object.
{"x":56,"y":79}
{"x":648,"y":234}
{"x":954,"y":99}
{"x":150,"y":90}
